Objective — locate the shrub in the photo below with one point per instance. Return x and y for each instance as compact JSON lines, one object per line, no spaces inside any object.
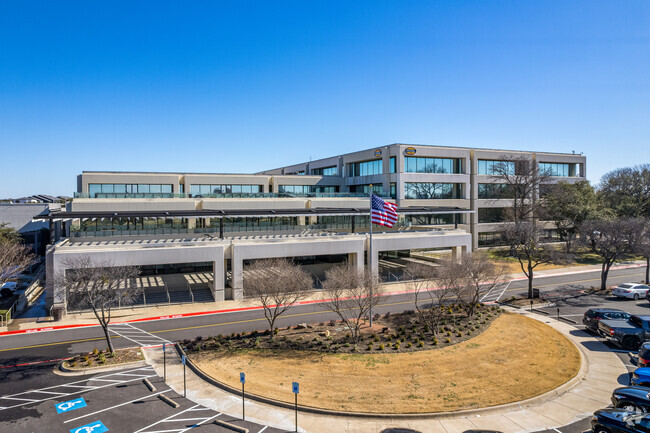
{"x":447,"y":340}
{"x":459,"y":334}
{"x":199,"y":338}
{"x":347,"y":344}
{"x":435,"y":341}
{"x":95,"y":351}
{"x":448,"y":333}
{"x":426,"y":328}
{"x":276,"y":331}
{"x":332,"y":322}
{"x":409,"y":345}
{"x":421,"y":344}
{"x":381,"y":346}
{"x":401,"y":329}
{"x":73,"y":363}
{"x":369,"y":347}
{"x":376,"y":338}
{"x":396,"y":346}
{"x":101,"y":358}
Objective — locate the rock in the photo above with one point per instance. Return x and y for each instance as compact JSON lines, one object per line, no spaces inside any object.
{"x":301,"y":326}
{"x":325,"y":334}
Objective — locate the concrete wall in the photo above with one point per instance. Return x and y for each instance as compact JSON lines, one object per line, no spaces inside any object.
{"x":58,"y":258}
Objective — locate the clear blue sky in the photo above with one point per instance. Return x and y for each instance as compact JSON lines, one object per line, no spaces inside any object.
{"x":241,"y":86}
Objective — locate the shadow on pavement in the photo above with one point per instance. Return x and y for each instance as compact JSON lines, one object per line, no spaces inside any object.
{"x":624,"y":379}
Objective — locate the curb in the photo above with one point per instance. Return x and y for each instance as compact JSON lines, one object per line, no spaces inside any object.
{"x":519,"y":405}
{"x":62,"y":370}
{"x":259,"y":307}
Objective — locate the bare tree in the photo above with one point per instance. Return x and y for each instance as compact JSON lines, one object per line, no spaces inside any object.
{"x":523,"y":179}
{"x":427,"y":294}
{"x":476,"y":275}
{"x":351,"y":294}
{"x":98,"y":286}
{"x":14,"y":256}
{"x":524,"y":240}
{"x":609,"y":239}
{"x":277,"y":284}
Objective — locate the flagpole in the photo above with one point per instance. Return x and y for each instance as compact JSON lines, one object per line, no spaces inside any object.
{"x":372,"y":276}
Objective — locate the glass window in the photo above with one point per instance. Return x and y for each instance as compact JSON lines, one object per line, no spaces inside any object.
{"x":155,"y":189}
{"x":94,"y":189}
{"x":490,"y":167}
{"x":430,"y":190}
{"x":491,"y":214}
{"x":392,"y":164}
{"x":366,"y":168}
{"x":419,"y":164}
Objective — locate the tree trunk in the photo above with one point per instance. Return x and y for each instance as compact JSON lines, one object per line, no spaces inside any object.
{"x":530,"y":281}
{"x":603,"y":276}
{"x":108,"y":337}
{"x":647,"y":270}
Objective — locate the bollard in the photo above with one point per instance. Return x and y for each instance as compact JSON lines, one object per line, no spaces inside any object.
{"x":558,"y":314}
{"x":531,"y":305}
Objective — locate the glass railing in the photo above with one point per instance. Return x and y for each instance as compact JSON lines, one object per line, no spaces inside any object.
{"x":129,"y":195}
{"x":227,"y":195}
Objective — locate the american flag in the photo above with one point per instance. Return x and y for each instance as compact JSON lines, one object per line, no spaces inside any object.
{"x":383,"y":212}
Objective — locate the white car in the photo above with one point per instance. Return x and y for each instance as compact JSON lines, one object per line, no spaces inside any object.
{"x":630,"y":290}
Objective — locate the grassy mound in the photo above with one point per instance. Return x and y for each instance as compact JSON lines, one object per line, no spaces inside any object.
{"x":514,"y":359}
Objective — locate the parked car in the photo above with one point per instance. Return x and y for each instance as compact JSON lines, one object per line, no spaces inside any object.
{"x":7,"y":289}
{"x":631,"y":291}
{"x":619,"y":421}
{"x":632,"y":398}
{"x":593,"y":315}
{"x":628,"y":334}
{"x":641,"y":377}
{"x":643,"y":357}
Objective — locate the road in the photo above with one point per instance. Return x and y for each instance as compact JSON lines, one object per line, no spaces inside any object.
{"x":52,"y":345}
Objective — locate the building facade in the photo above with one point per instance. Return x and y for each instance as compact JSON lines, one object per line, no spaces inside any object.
{"x":195,"y":232}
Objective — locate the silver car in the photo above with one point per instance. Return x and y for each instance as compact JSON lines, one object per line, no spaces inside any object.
{"x":630,"y":290}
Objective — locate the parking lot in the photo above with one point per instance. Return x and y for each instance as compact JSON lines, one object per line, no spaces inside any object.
{"x":114,"y":401}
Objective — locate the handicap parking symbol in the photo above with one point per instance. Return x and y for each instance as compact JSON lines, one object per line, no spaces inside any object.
{"x":67,"y":406}
{"x":93,"y":427}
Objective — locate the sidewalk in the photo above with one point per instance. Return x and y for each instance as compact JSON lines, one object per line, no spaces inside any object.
{"x":601,"y":372}
{"x":41,"y":322}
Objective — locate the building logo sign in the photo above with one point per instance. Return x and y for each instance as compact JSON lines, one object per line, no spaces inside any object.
{"x":378,"y":153}
{"x":410,"y":151}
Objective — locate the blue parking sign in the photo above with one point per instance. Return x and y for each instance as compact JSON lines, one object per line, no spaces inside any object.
{"x":67,"y":406}
{"x":242,"y":377}
{"x":183,"y":360}
{"x":93,"y":427}
{"x":295,"y":387}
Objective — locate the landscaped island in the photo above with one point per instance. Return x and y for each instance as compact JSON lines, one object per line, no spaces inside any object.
{"x":505,"y":358}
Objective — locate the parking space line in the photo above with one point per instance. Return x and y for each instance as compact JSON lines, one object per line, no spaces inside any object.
{"x":117,"y":405}
{"x":28,"y":401}
{"x":50,"y":392}
{"x":173,"y":418}
{"x":184,"y":419}
{"x":265,"y":427}
{"x":18,"y":398}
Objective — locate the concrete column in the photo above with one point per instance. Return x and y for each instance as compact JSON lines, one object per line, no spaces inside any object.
{"x":218,"y":286}
{"x":373,"y":260}
{"x":355,"y":259}
{"x":237,"y":283}
{"x":454,"y":254}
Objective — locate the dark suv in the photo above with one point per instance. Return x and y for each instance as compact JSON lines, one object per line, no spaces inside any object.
{"x":594,"y":315}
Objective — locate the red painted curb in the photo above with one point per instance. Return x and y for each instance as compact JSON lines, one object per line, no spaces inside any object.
{"x":233,"y":310}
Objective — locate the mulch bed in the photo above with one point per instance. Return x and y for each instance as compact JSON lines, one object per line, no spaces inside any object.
{"x":392,"y":333}
{"x":98,"y":358}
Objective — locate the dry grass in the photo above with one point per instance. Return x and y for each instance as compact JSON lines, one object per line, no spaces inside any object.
{"x":515,"y":359}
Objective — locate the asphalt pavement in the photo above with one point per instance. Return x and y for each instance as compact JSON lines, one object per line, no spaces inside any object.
{"x":26,"y":360}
